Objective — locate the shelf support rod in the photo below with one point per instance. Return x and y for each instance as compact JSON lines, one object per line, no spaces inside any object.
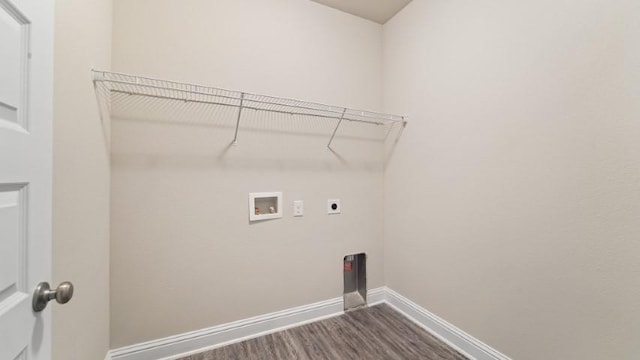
{"x":235,"y":136}
{"x":336,"y":129}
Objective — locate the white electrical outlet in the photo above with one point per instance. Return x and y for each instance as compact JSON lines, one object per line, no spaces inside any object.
{"x":333,"y":206}
{"x":298,"y":208}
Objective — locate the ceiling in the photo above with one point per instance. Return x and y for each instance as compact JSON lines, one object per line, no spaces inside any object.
{"x":376,"y":10}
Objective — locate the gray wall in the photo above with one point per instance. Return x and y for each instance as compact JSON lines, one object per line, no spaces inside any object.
{"x":183,"y":253}
{"x":512,"y":200}
{"x":80,"y":180}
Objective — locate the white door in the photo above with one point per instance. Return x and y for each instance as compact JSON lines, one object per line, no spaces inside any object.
{"x":26,"y":82}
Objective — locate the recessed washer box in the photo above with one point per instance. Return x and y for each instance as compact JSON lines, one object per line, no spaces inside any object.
{"x":265,"y":206}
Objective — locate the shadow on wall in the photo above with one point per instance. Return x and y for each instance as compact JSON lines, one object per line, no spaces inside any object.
{"x":167,"y":133}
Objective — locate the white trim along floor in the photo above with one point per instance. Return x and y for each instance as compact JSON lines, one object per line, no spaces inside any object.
{"x":174,"y":347}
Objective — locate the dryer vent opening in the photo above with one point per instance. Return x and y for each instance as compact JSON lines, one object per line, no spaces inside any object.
{"x":355,"y":281}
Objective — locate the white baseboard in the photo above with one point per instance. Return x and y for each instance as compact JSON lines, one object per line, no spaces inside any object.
{"x":376,"y":296}
{"x":108,"y":356}
{"x":456,"y":338}
{"x":177,"y":346}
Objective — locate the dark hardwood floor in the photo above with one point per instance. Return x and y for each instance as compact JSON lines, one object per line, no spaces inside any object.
{"x":377,"y":332}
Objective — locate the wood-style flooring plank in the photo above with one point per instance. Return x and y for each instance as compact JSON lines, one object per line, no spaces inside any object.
{"x":376,"y":332}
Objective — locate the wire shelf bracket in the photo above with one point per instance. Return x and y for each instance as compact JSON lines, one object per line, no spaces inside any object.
{"x":235,"y":136}
{"x":336,"y":129}
{"x":172,"y":90}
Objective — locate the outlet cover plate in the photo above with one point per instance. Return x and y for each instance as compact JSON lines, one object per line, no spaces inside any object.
{"x":298,"y":208}
{"x":334,"y":206}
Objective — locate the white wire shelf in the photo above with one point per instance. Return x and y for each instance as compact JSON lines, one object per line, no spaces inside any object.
{"x":172,"y":90}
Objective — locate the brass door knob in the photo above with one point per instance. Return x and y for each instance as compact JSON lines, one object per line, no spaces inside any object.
{"x":43,"y":294}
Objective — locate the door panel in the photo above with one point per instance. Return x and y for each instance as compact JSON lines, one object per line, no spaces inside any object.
{"x":12,"y":246}
{"x":14,"y":46}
